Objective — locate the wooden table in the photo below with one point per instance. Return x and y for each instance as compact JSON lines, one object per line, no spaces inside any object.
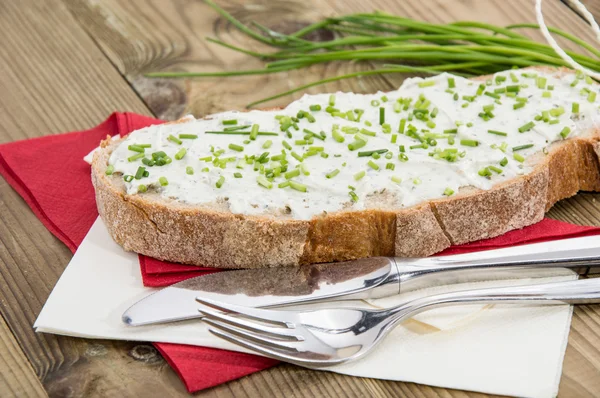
{"x":66,"y":65}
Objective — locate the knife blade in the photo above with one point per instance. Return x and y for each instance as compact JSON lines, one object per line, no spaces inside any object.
{"x":360,"y":279}
{"x":268,"y":287}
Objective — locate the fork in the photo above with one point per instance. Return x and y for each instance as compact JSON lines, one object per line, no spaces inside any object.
{"x":331,"y":336}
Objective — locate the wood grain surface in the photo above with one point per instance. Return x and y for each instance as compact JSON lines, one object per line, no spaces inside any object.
{"x":67,"y":64}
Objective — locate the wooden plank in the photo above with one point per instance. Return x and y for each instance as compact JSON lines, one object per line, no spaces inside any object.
{"x":53,"y":79}
{"x":17,"y":377}
{"x":592,"y":6}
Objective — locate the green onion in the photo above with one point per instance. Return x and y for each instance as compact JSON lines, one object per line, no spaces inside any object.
{"x":234,"y":147}
{"x":526,"y":127}
{"x":267,"y":144}
{"x":315,"y":108}
{"x":495,"y":132}
{"x":284,"y":184}
{"x":427,"y":83}
{"x":541,"y":82}
{"x":451,"y":83}
{"x":495,"y":169}
{"x":180,"y":154}
{"x":575,"y":107}
{"x":236,"y":128}
{"x":402,"y":157}
{"x":518,"y":105}
{"x":136,"y":148}
{"x":373,"y":165}
{"x":297,"y":186}
{"x":518,"y":157}
{"x":187,"y":136}
{"x":332,"y":100}
{"x":333,"y":173}
{"x":163,"y":181}
{"x":286,"y":145}
{"x":337,"y":136}
{"x":565,"y":132}
{"x":359,"y":175}
{"x":375,"y":103}
{"x":237,"y":175}
{"x":504,"y":162}
{"x":401,"y":126}
{"x":135,"y":157}
{"x":174,"y":139}
{"x":297,"y":157}
{"x":521,"y":147}
{"x":142,"y":188}
{"x":591,"y":96}
{"x":128,"y":178}
{"x":189,"y":170}
{"x":485,"y":172}
{"x":451,"y":131}
{"x":140,"y":173}
{"x":396,"y":179}
{"x":230,"y":122}
{"x":109,"y":170}
{"x":292,"y":174}
{"x":356,"y":144}
{"x":254,"y":132}
{"x":144,"y":145}
{"x":448,"y":191}
{"x":381,"y":116}
{"x":557,"y":111}
{"x":471,"y":143}
{"x":353,"y":196}
{"x":369,"y":153}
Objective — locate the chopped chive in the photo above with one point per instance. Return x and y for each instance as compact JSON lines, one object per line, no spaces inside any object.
{"x":235,"y":147}
{"x":254,"y":132}
{"x":375,"y":103}
{"x":373,"y":165}
{"x":390,"y":166}
{"x":297,"y":157}
{"x":356,"y":144}
{"x":332,"y":100}
{"x":353,"y":196}
{"x":396,"y":179}
{"x":359,"y":175}
{"x":135,"y":157}
{"x":284,"y":184}
{"x":109,"y":170}
{"x":381,"y":116}
{"x":292,"y":174}
{"x":401,"y":126}
{"x":565,"y":132}
{"x":451,"y":83}
{"x":471,"y":143}
{"x":315,"y":107}
{"x":557,"y":111}
{"x":237,"y":175}
{"x":451,"y":131}
{"x":236,"y":128}
{"x":230,"y":122}
{"x":140,"y":173}
{"x":142,"y":188}
{"x":187,"y":136}
{"x":541,"y":82}
{"x":518,"y":157}
{"x":300,"y":142}
{"x":575,"y":107}
{"x":337,"y":136}
{"x":136,"y":148}
{"x":495,"y":169}
{"x":490,"y":94}
{"x":518,"y":105}
{"x":158,"y":155}
{"x":485,"y":172}
{"x":286,"y":145}
{"x":504,"y":162}
{"x":267,"y":144}
{"x":205,"y":170}
{"x":369,"y":153}
{"x":297,"y":186}
{"x":174,"y":139}
{"x":144,"y":145}
{"x":206,"y":159}
{"x":402,"y":157}
{"x":448,"y":191}
{"x":163,"y":181}
{"x":546,"y":94}
{"x":128,"y":178}
{"x":189,"y":170}
{"x":368,"y":132}
{"x":427,"y":83}
{"x":497,"y":132}
{"x":591,"y":96}
{"x":180,"y":154}
{"x":526,"y":127}
{"x":332,"y":173}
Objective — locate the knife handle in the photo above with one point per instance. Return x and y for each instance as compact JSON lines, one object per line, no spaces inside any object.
{"x":497,"y":264}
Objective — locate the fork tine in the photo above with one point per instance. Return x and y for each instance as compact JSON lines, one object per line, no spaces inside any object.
{"x":280,"y":332}
{"x":257,"y":338}
{"x":280,"y":317}
{"x":256,"y":347}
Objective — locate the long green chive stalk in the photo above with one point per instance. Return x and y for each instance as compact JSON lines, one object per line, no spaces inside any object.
{"x":393,"y":44}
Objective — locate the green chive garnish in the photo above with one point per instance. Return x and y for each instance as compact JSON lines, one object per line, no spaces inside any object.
{"x":230,"y":122}
{"x":237,"y":175}
{"x":297,"y":186}
{"x":401,"y":126}
{"x":495,"y":169}
{"x":356,"y":145}
{"x":333,"y":173}
{"x":187,"y":136}
{"x":518,"y":157}
{"x":451,"y":83}
{"x":140,"y":173}
{"x":518,"y":105}
{"x":565,"y":132}
{"x":591,"y":96}
{"x":136,"y":148}
{"x":286,"y":145}
{"x":109,"y":170}
{"x":337,"y":136}
{"x":315,"y":108}
{"x":369,"y":153}
{"x":381,"y":116}
{"x":353,"y":196}
{"x":504,"y":162}
{"x":174,"y":139}
{"x":526,"y":127}
{"x":163,"y":181}
{"x":471,"y":143}
{"x":451,"y":131}
{"x":135,"y":157}
{"x":427,"y":83}
{"x":521,"y":147}
{"x":267,"y":144}
{"x":497,"y":132}
{"x":332,"y":100}
{"x":142,"y":188}
{"x":373,"y":165}
{"x":359,"y":175}
{"x":180,"y":154}
{"x":292,"y":174}
{"x":189,"y":170}
{"x":575,"y":107}
{"x":297,"y":157}
{"x":236,"y":128}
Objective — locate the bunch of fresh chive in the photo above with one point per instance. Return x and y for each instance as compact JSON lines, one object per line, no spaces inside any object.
{"x":397,"y":45}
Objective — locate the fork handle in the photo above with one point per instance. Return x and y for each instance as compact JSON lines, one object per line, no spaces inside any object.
{"x":569,"y":292}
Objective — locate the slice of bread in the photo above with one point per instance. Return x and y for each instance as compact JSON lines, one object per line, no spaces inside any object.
{"x":209,"y":234}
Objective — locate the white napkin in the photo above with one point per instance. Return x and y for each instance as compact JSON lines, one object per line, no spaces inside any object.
{"x":509,"y":350}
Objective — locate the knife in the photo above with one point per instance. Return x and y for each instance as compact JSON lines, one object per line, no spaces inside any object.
{"x":359,"y":279}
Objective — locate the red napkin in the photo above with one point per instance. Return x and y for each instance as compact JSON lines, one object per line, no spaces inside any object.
{"x":60,"y":193}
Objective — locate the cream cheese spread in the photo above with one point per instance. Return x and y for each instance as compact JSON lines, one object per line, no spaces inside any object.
{"x":430,"y":137}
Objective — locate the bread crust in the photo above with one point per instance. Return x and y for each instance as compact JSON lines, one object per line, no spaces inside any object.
{"x":213,"y":236}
